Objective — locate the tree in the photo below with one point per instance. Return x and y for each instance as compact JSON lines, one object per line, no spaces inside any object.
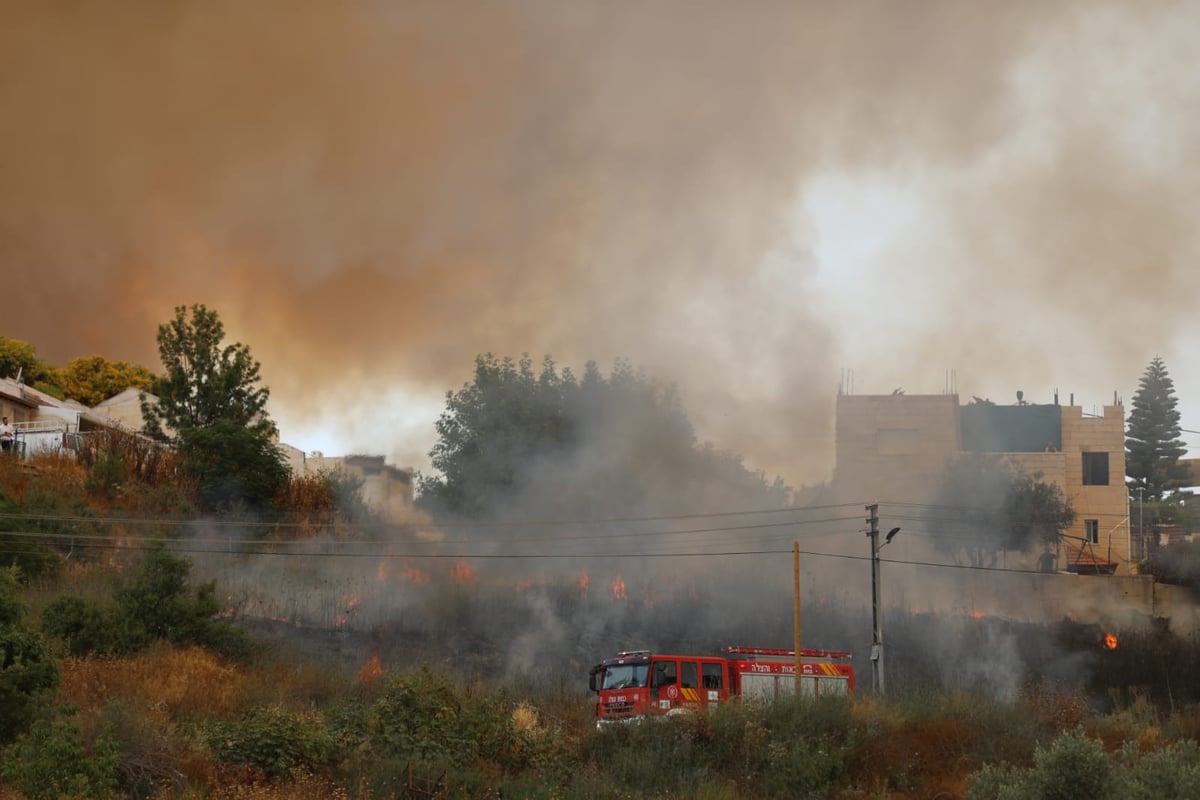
{"x":18,"y":357}
{"x":543,"y":442}
{"x":26,"y":667}
{"x":210,"y":406}
{"x":93,"y":379}
{"x":1152,"y":444}
{"x":985,"y":507}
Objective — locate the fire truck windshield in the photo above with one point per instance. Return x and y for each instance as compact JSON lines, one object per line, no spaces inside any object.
{"x":622,"y":676}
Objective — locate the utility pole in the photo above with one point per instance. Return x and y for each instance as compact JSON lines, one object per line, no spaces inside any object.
{"x":796,"y":592}
{"x":876,"y":623}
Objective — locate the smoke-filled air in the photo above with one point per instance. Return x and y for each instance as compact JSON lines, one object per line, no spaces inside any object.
{"x":745,"y":201}
{"x":751,"y":203}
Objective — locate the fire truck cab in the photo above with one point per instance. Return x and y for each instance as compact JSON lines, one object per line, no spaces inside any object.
{"x":638,"y":683}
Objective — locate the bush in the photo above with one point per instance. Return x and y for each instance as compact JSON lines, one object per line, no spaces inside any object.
{"x":1074,"y":767}
{"x":418,"y":718}
{"x":156,"y":604}
{"x":274,"y":740}
{"x":26,"y":666}
{"x":49,"y":762}
{"x":1172,"y":773}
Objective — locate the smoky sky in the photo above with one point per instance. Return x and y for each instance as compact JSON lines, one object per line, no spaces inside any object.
{"x":372,"y":193}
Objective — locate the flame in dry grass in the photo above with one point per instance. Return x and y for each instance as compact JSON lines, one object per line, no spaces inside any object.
{"x":463,"y":573}
{"x":618,"y":589}
{"x":414,"y":575}
{"x":370,"y":670}
{"x":1110,"y":640}
{"x":581,"y":583}
{"x":977,"y":615}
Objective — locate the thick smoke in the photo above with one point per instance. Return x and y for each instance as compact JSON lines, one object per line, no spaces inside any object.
{"x":372,"y":194}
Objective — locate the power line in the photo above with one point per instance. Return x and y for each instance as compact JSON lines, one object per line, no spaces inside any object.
{"x":532,"y":523}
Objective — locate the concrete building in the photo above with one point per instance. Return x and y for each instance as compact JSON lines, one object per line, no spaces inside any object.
{"x":896,"y":448}
{"x":386,"y":489}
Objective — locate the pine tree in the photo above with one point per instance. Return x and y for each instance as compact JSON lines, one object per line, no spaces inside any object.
{"x":1152,"y":444}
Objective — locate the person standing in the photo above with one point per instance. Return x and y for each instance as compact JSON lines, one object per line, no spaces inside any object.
{"x":7,"y":432}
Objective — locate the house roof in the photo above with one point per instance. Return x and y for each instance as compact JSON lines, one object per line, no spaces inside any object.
{"x":16,"y":392}
{"x":131,"y":393}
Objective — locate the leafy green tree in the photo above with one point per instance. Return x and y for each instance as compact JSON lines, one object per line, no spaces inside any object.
{"x":210,"y":406}
{"x":93,"y":379}
{"x":985,"y":507}
{"x":542,"y":441}
{"x":1152,"y":444}
{"x":26,"y":667}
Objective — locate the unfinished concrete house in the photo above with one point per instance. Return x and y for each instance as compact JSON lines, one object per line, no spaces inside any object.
{"x":896,"y":448}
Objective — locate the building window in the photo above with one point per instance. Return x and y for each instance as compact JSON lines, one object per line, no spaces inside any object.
{"x":897,"y":441}
{"x":1095,"y":469}
{"x":1091,"y":530}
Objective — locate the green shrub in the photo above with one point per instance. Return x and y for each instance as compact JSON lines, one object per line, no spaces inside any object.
{"x":156,"y":604}
{"x":274,"y":740}
{"x":1073,"y":767}
{"x":49,"y":762}
{"x":418,"y":717}
{"x":82,"y":625}
{"x":1172,"y":773}
{"x":27,"y":668}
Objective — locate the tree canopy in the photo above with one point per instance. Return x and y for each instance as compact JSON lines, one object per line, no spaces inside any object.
{"x":211,"y":407}
{"x":94,"y":379}
{"x":543,"y":441}
{"x":985,"y":506}
{"x":1152,"y":444}
{"x":20,"y":358}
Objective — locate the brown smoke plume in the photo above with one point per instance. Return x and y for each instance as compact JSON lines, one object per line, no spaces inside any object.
{"x":373,"y":193}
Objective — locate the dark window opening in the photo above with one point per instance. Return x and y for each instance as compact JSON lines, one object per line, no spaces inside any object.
{"x":1091,"y":530}
{"x":1095,"y":469}
{"x":712,"y":675}
{"x":664,"y":673}
{"x":689,"y":679}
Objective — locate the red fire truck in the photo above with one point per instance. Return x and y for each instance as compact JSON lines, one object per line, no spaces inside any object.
{"x":637,"y":683}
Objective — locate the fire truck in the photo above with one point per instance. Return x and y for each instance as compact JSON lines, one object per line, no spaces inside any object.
{"x":638,"y":683}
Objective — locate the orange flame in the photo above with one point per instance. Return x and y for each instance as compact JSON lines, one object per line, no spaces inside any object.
{"x":462,"y":573}
{"x":582,"y":583}
{"x":618,"y":589}
{"x":370,"y":670}
{"x":1110,"y":641}
{"x":976,"y":615}
{"x":414,"y":575}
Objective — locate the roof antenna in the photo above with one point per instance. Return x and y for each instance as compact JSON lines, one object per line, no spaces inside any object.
{"x":20,"y":369}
